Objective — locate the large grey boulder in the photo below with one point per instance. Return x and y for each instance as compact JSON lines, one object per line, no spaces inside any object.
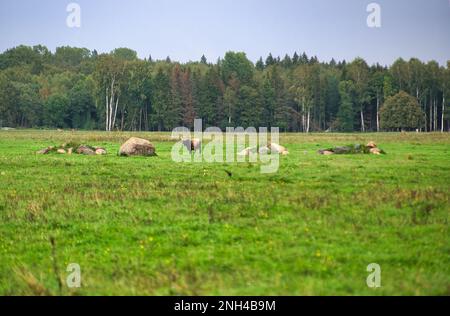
{"x":137,"y":147}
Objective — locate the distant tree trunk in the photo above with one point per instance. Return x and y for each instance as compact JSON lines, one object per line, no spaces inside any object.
{"x":309,"y":119}
{"x":378,"y":112}
{"x":115,"y":114}
{"x":431,"y":114}
{"x":430,"y":118}
{"x":442,"y":114}
{"x":112,"y":103}
{"x":122,"y":120}
{"x":146,"y":119}
{"x":107,"y":111}
{"x":427,"y":128}
{"x":362,"y":121}
{"x":436,"y":114}
{"x":111,"y":100}
{"x":303,"y":116}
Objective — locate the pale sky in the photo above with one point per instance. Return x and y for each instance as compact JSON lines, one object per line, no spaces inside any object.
{"x":186,"y":29}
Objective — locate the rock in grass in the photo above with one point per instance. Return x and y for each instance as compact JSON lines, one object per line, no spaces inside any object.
{"x":276,"y":148}
{"x":325,"y":152}
{"x":44,"y":151}
{"x":137,"y":147}
{"x":343,"y":150}
{"x":85,"y":150}
{"x":375,"y":151}
{"x":371,"y":144}
{"x":100,"y":151}
{"x":73,"y":148}
{"x":370,"y":148}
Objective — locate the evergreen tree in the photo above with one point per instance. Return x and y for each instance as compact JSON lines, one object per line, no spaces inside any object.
{"x":344,"y":121}
{"x":269,"y":60}
{"x":304,"y":59}
{"x":287,"y":61}
{"x":295,"y":59}
{"x":162,"y":116}
{"x":260,"y":64}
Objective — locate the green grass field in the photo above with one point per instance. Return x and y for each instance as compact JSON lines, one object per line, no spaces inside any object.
{"x":150,"y":226}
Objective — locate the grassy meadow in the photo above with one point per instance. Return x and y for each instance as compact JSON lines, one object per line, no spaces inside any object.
{"x":147,"y":225}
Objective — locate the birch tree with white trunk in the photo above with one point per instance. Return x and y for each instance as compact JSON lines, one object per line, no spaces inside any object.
{"x":109,"y":75}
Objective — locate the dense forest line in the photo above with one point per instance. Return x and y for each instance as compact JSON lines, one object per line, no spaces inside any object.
{"x":81,"y":89}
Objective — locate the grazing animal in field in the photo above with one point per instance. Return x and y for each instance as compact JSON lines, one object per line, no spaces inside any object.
{"x":193,"y":144}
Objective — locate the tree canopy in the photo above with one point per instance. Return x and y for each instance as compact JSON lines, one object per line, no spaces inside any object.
{"x":401,"y":112}
{"x":78,"y":88}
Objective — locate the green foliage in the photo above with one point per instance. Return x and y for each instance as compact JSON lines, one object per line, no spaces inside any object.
{"x":81,"y":104}
{"x":259,"y":64}
{"x":70,"y":56}
{"x":249,"y":107}
{"x":55,"y":111}
{"x":162,"y":102}
{"x":124,"y":54}
{"x":237,"y":64}
{"x":345,"y":114}
{"x":401,"y":112}
{"x":387,"y":87}
{"x":119,"y":91}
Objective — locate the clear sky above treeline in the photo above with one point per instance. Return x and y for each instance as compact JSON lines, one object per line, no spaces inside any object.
{"x":186,"y":29}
